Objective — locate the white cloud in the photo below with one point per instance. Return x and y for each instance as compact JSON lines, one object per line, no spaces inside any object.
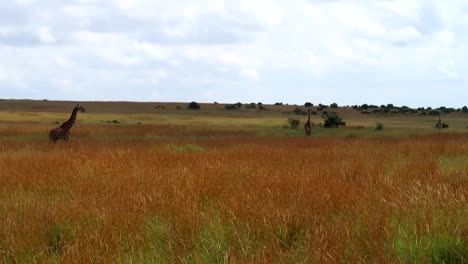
{"x":250,"y":74}
{"x":179,"y":50}
{"x":446,"y":37}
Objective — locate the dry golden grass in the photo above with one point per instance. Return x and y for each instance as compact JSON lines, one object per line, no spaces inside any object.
{"x":173,"y":194}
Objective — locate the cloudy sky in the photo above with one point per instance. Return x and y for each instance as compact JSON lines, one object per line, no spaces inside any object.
{"x":406,"y":52}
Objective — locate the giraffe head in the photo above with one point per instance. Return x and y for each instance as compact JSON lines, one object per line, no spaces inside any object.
{"x":80,"y":108}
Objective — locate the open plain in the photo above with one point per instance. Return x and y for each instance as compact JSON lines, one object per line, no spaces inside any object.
{"x":159,"y":183}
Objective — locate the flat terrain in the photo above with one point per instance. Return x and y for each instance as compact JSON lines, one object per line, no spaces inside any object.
{"x":158,"y":183}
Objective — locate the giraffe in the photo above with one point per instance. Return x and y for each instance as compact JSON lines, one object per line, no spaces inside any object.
{"x":439,"y":123}
{"x":63,"y":131}
{"x":308,"y":126}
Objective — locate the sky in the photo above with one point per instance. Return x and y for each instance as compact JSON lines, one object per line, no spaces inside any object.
{"x":404,"y":52}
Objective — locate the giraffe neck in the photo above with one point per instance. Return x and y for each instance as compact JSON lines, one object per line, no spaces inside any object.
{"x":308,"y":120}
{"x":71,"y":121}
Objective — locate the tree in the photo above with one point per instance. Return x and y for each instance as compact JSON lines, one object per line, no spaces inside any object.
{"x":334,"y":105}
{"x":193,"y":106}
{"x":465,"y":109}
{"x":332,"y":120}
{"x":308,"y":104}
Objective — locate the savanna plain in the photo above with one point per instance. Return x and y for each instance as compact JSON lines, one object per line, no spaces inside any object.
{"x":159,"y":183}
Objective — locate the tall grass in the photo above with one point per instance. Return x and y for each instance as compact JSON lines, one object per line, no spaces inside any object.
{"x":172,"y":195}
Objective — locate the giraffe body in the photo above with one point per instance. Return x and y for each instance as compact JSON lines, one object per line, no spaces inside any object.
{"x":439,"y":123}
{"x":63,"y":131}
{"x":308,"y":126}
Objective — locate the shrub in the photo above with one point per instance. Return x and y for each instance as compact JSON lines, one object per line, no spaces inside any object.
{"x":115,"y":121}
{"x":433,"y":113}
{"x":193,"y":106}
{"x":332,"y":120}
{"x":251,"y":106}
{"x":278,"y":103}
{"x":238,"y":104}
{"x":379,"y":127}
{"x":323,"y":106}
{"x":261,"y":107}
{"x":334,"y":105}
{"x":299,"y":111}
{"x":294,"y":123}
{"x":308,"y":104}
{"x":230,"y":107}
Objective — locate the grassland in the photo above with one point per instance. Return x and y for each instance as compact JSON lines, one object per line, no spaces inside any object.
{"x":215,"y":186}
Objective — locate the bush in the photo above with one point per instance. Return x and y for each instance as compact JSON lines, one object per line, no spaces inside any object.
{"x":261,"y":107}
{"x":251,"y":106}
{"x":379,"y":127}
{"x":323,"y":106}
{"x":193,"y":106}
{"x":433,"y":113}
{"x":299,"y":111}
{"x":308,"y":104}
{"x":332,"y":120}
{"x":279,"y":103}
{"x":231,"y":107}
{"x":334,"y":105}
{"x":294,"y":123}
{"x":465,"y":109}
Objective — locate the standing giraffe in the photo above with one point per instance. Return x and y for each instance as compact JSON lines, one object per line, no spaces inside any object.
{"x":308,"y":126}
{"x":63,"y":131}
{"x":439,"y":123}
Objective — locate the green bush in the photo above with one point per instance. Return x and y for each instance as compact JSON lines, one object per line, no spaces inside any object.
{"x":231,"y":107}
{"x":251,"y":106}
{"x":261,"y":107}
{"x":299,"y":111}
{"x":294,"y":123}
{"x":193,"y":106}
{"x":332,"y":120}
{"x":379,"y":127}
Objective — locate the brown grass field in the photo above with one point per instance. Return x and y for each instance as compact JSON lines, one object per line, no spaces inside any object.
{"x":215,"y":186}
